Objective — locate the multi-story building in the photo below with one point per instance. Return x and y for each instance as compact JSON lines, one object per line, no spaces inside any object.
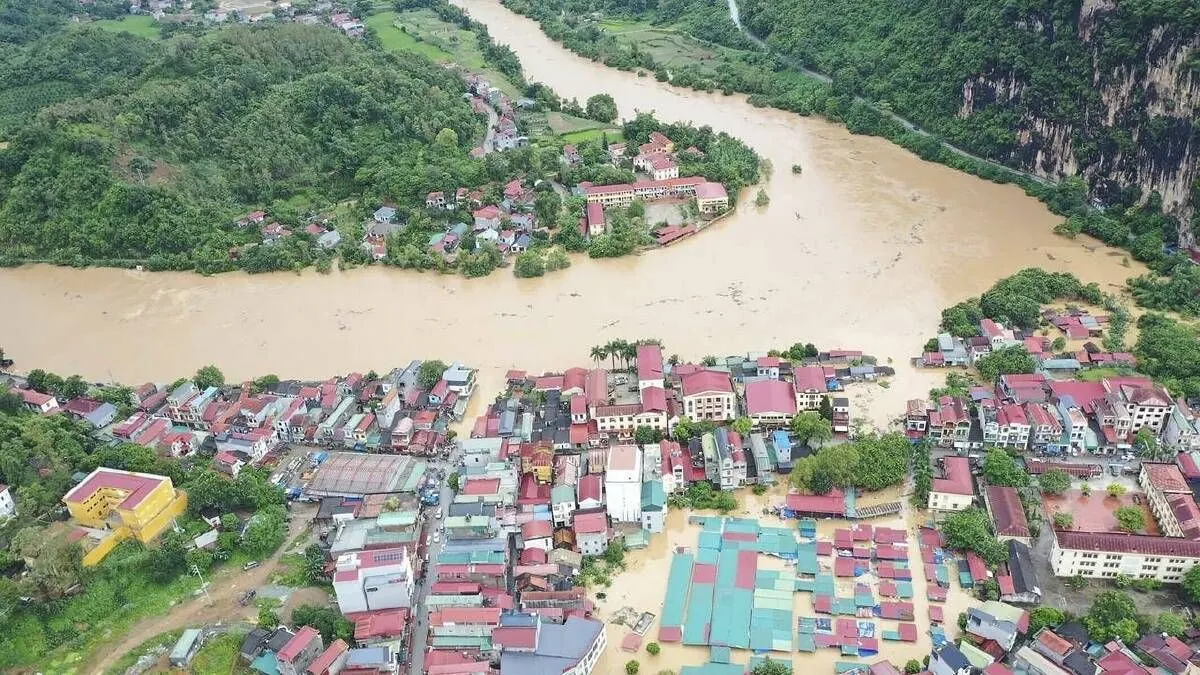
{"x":562,"y":504}
{"x":708,"y":395}
{"x":654,"y":506}
{"x":129,"y":505}
{"x":591,"y":532}
{"x":950,"y":423}
{"x":373,"y":579}
{"x":1147,"y":404}
{"x":8,"y":507}
{"x":770,"y":403}
{"x":527,"y":645}
{"x":1170,"y":498}
{"x":623,"y":483}
{"x":956,"y":490}
{"x":916,"y":417}
{"x":1107,"y":555}
{"x":1045,"y":428}
{"x":811,"y":386}
{"x":649,"y":366}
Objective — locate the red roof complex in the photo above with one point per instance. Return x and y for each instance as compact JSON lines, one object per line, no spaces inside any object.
{"x":536,"y":529}
{"x":465,"y":615}
{"x":1128,"y":543}
{"x":137,"y":486}
{"x":770,"y":396}
{"x":958,"y":477}
{"x":649,"y":362}
{"x":1007,"y":512}
{"x":1166,"y":477}
{"x":705,"y":381}
{"x":711,"y":191}
{"x":689,"y":181}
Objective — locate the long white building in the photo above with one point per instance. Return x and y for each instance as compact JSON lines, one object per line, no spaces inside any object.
{"x":623,"y":483}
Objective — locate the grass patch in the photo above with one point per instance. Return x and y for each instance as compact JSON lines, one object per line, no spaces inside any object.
{"x":420,"y":31}
{"x":150,"y":599}
{"x":291,"y":571}
{"x":1097,"y":374}
{"x":142,"y":26}
{"x":131,"y":656}
{"x":614,"y":135}
{"x":219,"y":656}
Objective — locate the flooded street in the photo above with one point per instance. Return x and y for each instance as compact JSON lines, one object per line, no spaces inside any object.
{"x":862,"y":251}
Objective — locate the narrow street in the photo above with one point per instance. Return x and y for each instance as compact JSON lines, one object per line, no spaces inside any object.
{"x":420,"y":634}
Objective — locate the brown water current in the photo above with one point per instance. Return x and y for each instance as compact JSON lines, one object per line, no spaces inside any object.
{"x":860,"y":251}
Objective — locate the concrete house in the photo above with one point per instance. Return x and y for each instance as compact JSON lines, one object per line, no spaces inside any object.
{"x":654,"y":506}
{"x":623,"y":483}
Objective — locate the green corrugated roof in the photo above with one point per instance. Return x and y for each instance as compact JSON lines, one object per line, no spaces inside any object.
{"x":654,"y":497}
{"x":562,"y":494}
{"x":978,"y":658}
{"x":396,"y":519}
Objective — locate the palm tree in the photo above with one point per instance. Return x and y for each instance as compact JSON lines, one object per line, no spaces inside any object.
{"x":611,"y":349}
{"x":599,"y":353}
{"x":629,"y":352}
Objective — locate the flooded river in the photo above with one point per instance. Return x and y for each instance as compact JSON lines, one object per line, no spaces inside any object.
{"x":860,"y":251}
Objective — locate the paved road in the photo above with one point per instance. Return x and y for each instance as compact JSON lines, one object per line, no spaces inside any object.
{"x":420,"y":634}
{"x":735,"y":15}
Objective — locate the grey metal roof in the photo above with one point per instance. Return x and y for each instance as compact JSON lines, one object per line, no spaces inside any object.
{"x":953,"y":658}
{"x":559,"y":648}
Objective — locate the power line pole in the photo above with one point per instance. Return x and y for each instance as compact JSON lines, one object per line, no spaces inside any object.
{"x":203,"y":585}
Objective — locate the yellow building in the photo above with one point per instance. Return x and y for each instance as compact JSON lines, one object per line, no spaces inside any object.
{"x":127,"y":504}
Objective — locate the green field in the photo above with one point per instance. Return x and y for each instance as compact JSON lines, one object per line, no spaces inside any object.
{"x":420,"y":31}
{"x":145,"y":26}
{"x":219,"y":656}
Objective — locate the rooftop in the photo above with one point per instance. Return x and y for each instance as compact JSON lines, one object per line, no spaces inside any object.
{"x":559,"y":648}
{"x":1007,"y":512}
{"x":649,"y":362}
{"x":297,"y":644}
{"x":1166,"y":477}
{"x":705,"y":381}
{"x":957,"y":478}
{"x":355,"y":473}
{"x":770,"y":396}
{"x":135,"y":486}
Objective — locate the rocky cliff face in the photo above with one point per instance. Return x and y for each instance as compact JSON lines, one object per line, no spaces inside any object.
{"x":1139,"y":128}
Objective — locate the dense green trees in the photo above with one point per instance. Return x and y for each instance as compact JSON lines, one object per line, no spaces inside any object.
{"x":999,"y":468}
{"x":1169,"y":351}
{"x":187,"y":134}
{"x":1005,"y":361}
{"x":970,"y":530}
{"x":871,"y":462}
{"x":601,"y":108}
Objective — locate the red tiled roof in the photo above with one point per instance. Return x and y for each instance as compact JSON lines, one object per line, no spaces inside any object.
{"x":649,"y":362}
{"x":1007,"y":511}
{"x":591,"y":486}
{"x":832,"y":503}
{"x":810,"y":378}
{"x":654,"y":399}
{"x":469,"y":615}
{"x":770,"y":396}
{"x":137,"y":486}
{"x":327,"y":658}
{"x":590,"y":523}
{"x":1187,"y":465}
{"x":1054,"y":643}
{"x":548,"y":382}
{"x":706,"y":381}
{"x":1166,"y":477}
{"x":1128,"y":543}
{"x":536,"y":529}
{"x":515,"y":637}
{"x":958,"y":477}
{"x":711,"y":191}
{"x":297,"y":644}
{"x":575,"y":378}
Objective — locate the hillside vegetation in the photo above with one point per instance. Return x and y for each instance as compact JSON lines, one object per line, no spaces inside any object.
{"x":149,"y":150}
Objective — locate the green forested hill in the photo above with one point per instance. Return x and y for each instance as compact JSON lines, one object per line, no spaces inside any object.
{"x":129,"y":148}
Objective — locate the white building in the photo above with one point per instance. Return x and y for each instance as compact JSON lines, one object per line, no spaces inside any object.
{"x":708,"y":395}
{"x":373,"y":579}
{"x":623,"y":483}
{"x":8,"y":507}
{"x":956,"y":491}
{"x":1105,"y":556}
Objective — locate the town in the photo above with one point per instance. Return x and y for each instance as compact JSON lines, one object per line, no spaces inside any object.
{"x":495,"y":543}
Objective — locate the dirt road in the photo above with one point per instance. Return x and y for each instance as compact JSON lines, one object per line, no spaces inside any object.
{"x":225,"y":588}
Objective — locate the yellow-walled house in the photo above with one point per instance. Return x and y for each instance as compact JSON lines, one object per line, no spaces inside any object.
{"x":127,"y":504}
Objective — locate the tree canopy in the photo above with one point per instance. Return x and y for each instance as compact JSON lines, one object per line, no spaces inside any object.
{"x":163,"y":145}
{"x":970,"y":530}
{"x":1000,"y":468}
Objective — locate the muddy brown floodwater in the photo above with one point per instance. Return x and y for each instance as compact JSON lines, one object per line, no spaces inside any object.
{"x":861,"y":251}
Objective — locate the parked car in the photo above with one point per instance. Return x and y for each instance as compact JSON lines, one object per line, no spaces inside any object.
{"x":250,"y":565}
{"x":437,"y":537}
{"x":247,"y":597}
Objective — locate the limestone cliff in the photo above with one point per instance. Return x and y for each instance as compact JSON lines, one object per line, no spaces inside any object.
{"x":1136,"y":128}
